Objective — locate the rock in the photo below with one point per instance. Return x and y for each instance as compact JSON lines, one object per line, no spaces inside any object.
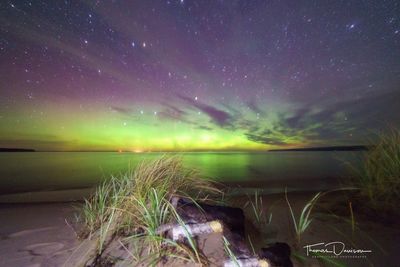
{"x":278,"y":255}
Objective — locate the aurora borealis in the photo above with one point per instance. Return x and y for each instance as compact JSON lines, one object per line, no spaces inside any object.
{"x":197,"y":75}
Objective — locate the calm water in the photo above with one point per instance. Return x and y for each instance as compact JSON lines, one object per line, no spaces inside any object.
{"x":21,"y":172}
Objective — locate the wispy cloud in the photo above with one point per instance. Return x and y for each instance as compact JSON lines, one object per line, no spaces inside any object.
{"x":122,"y":110}
{"x":219,"y":117}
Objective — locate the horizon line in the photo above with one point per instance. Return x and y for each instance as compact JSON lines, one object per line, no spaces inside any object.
{"x":299,"y":149}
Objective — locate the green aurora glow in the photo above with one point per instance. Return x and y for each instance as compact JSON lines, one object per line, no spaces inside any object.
{"x":187,"y":76}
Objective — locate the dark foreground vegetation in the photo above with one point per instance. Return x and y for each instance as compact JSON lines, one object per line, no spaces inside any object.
{"x":160,"y":213}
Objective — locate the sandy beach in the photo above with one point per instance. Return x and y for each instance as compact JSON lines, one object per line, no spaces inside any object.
{"x":36,"y":234}
{"x":41,"y":234}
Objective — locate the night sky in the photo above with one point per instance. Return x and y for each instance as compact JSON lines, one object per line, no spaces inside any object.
{"x":197,"y":75}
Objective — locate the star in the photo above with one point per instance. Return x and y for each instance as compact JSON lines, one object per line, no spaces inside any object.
{"x":170,"y":68}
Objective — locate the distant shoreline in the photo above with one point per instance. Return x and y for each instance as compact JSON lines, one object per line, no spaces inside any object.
{"x":328,"y":148}
{"x":301,"y":149}
{"x":4,"y":149}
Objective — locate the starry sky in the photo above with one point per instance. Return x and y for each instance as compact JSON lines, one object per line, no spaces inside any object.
{"x":188,"y":75}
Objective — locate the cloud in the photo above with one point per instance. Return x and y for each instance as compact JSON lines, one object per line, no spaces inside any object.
{"x":173,"y":113}
{"x":170,"y":115}
{"x":122,"y":110}
{"x":176,"y":114}
{"x":343,"y":122}
{"x":263,"y":139}
{"x":219,"y":117}
{"x":297,"y":120}
{"x":203,"y":127}
{"x":252,"y":104}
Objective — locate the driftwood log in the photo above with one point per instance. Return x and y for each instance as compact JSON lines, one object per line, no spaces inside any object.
{"x":249,"y":262}
{"x":200,"y":219}
{"x":190,"y":212}
{"x":233,"y":220}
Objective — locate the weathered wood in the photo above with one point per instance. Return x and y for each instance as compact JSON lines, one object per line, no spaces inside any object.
{"x":200,"y":220}
{"x":190,"y":212}
{"x":250,"y":262}
{"x":181,"y":231}
{"x":232,"y":219}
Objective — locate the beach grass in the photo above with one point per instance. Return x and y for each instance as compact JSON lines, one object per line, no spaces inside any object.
{"x":378,"y":177}
{"x":138,"y":203}
{"x":100,"y":207}
{"x":257,"y":209}
{"x":302,"y":223}
{"x":229,"y":252}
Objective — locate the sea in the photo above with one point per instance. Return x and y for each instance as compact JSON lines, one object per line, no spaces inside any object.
{"x":267,"y":171}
